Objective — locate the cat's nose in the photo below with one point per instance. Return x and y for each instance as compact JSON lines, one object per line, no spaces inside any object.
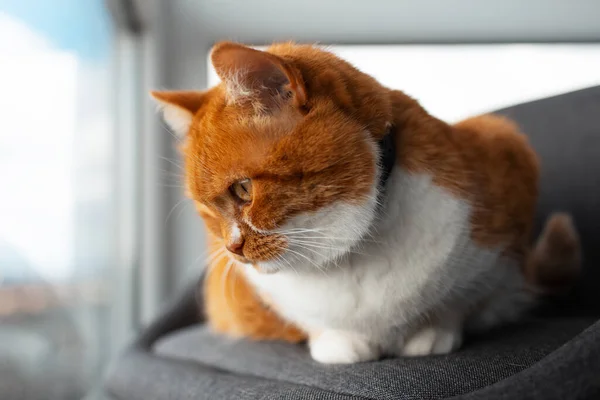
{"x":236,"y":247}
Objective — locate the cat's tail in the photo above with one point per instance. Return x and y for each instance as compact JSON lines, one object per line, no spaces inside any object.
{"x":554,"y":263}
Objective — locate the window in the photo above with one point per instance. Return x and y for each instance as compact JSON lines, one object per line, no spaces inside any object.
{"x":57,"y":202}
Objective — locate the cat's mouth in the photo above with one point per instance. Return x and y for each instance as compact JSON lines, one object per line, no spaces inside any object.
{"x":257,"y":264}
{"x":251,"y":247}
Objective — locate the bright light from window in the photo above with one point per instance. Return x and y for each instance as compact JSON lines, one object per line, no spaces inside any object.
{"x":457,"y":81}
{"x":37,"y":139}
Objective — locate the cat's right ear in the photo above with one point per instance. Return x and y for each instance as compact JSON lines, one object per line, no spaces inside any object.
{"x":178,"y":108}
{"x":260,"y":78}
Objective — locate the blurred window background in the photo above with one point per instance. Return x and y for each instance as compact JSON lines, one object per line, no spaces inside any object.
{"x":59,"y":260}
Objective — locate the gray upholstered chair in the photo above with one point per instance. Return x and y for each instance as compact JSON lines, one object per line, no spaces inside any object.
{"x":553,"y":354}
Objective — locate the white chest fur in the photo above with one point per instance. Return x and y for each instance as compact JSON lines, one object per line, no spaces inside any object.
{"x":419,"y":260}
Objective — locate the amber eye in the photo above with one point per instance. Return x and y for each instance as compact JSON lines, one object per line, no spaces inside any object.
{"x":242,"y":190}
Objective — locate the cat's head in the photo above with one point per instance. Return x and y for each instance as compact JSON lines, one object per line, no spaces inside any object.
{"x":281,"y":157}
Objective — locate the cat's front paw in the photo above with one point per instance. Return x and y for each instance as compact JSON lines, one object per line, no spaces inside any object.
{"x":337,"y":347}
{"x":433,"y":340}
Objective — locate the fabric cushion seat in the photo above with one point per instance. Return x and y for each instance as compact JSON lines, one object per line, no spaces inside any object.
{"x":482,"y":362}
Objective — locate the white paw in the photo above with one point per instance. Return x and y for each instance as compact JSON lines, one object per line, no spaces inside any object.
{"x":335,"y":347}
{"x":432,"y":340}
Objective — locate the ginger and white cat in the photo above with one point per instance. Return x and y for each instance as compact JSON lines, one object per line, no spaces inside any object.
{"x":352,"y":217}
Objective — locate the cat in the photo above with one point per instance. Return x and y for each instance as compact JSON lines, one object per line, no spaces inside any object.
{"x":351,"y":217}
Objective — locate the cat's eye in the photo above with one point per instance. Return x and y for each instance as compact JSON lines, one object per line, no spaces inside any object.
{"x":242,"y":190}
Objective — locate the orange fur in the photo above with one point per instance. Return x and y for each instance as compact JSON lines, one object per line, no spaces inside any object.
{"x":235,"y":309}
{"x":231,"y":304}
{"x":294,"y":119}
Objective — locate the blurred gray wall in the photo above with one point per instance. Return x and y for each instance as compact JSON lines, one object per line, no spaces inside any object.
{"x":188,"y":28}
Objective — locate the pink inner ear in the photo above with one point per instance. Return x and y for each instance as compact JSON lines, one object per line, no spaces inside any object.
{"x":254,"y":75}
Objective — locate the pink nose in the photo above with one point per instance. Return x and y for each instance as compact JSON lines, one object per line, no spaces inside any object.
{"x":236,"y":247}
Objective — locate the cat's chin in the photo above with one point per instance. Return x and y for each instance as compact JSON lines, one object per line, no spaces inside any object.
{"x":265,"y":267}
{"x":240,"y":259}
{"x":261,"y":267}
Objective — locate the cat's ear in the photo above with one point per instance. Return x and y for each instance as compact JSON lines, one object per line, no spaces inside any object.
{"x":179,"y":107}
{"x":264,"y":79}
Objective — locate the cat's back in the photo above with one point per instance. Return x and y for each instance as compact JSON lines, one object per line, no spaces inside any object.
{"x":498,"y":142}
{"x":503,"y":180}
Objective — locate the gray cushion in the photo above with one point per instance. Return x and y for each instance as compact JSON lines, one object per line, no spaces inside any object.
{"x":154,"y":378}
{"x":482,"y":362}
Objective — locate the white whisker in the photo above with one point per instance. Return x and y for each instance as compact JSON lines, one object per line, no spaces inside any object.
{"x":172,"y":162}
{"x":333,"y":238}
{"x":224,"y":278}
{"x":307,"y":258}
{"x":173,"y":209}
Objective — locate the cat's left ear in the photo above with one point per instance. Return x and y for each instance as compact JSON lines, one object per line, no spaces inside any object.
{"x":179,"y":107}
{"x":263,"y":79}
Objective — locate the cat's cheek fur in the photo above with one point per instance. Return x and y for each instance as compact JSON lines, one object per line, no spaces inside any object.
{"x":318,"y":239}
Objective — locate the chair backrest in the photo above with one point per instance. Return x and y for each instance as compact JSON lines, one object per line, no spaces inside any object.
{"x":565,"y":131}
